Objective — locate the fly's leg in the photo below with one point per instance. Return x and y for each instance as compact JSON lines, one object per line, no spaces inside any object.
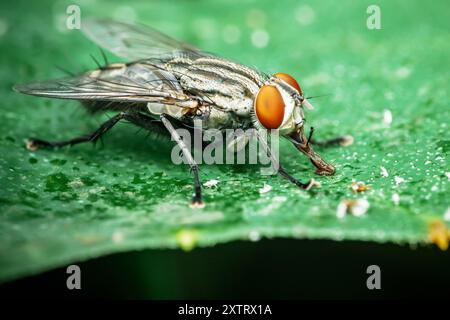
{"x":323,"y":167}
{"x":338,"y":141}
{"x":277,"y":166}
{"x":134,"y":117}
{"x":34,"y":144}
{"x":140,"y":120}
{"x":197,"y":198}
{"x":303,"y":144}
{"x":298,"y":183}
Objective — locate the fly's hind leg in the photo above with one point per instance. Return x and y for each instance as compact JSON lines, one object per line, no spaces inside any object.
{"x":34,"y":144}
{"x":197,"y":201}
{"x":133,"y":117}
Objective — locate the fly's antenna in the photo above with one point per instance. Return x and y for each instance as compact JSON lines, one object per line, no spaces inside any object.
{"x":319,"y":96}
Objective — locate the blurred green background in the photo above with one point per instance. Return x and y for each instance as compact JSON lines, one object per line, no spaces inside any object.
{"x":72,"y":205}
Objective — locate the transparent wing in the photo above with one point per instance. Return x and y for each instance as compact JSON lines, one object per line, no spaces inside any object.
{"x":135,"y":42}
{"x":133,"y":83}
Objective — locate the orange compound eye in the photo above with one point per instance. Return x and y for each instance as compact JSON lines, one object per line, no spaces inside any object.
{"x":269,"y":107}
{"x":288,"y":79}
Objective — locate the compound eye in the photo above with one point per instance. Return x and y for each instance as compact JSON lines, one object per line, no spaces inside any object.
{"x":289,"y":80}
{"x":269,"y":107}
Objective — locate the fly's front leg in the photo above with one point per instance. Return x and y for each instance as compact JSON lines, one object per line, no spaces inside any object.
{"x":277,"y":166}
{"x":323,"y":167}
{"x":197,"y":201}
{"x":304,"y":145}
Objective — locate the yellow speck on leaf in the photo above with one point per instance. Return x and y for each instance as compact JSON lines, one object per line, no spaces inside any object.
{"x":439,"y":234}
{"x":187,"y":239}
{"x":359,"y":187}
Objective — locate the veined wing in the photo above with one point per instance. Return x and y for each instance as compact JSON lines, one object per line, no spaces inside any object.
{"x":135,"y":42}
{"x":195,"y":68}
{"x":121,"y":83}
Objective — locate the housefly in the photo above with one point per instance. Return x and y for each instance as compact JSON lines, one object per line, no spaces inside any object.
{"x":169,"y":84}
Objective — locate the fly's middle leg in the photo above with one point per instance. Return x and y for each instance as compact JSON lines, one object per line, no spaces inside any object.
{"x":280,"y":170}
{"x":298,"y":183}
{"x":197,"y":201}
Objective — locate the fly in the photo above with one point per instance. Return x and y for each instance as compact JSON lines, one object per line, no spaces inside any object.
{"x":169,"y":84}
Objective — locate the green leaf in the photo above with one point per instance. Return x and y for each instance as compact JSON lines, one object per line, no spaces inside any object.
{"x":63,"y":206}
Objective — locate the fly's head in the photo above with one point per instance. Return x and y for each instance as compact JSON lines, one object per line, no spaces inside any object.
{"x":279,"y":105}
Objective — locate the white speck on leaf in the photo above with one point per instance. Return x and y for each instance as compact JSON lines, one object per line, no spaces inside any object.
{"x":395,"y":198}
{"x":384,"y":172}
{"x":387,"y":117}
{"x":266,"y":188}
{"x":357,"y":208}
{"x":448,"y":175}
{"x":398,"y":180}
{"x":360,"y":208}
{"x":447,"y":214}
{"x":211,"y":183}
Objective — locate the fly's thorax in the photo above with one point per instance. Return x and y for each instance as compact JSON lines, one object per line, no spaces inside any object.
{"x":227,"y":85}
{"x":228,"y":96}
